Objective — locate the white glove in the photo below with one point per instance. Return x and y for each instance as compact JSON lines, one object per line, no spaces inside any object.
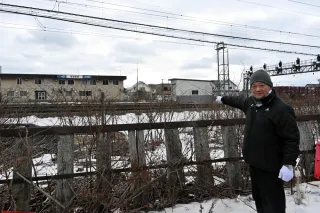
{"x":286,"y":173}
{"x":218,"y":99}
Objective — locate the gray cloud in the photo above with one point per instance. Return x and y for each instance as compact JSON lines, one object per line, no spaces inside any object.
{"x":49,"y":39}
{"x":130,"y":52}
{"x":203,"y":63}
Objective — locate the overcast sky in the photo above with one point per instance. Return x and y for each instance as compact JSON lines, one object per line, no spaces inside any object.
{"x":30,"y":45}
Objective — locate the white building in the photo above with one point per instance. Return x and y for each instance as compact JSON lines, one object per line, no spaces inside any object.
{"x":196,"y":91}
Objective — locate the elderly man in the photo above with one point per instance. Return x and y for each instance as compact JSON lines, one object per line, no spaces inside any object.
{"x":271,"y":141}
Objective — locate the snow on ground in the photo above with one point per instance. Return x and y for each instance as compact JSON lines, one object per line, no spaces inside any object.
{"x":245,"y":204}
{"x":45,"y":165}
{"x":120,"y":119}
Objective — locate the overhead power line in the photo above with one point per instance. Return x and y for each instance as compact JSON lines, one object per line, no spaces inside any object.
{"x":186,"y":17}
{"x":264,"y":5}
{"x":299,"y":2}
{"x":34,"y":14}
{"x":71,"y":31}
{"x":34,"y":10}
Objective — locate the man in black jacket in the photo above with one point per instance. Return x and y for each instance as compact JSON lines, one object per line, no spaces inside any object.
{"x":271,"y":141}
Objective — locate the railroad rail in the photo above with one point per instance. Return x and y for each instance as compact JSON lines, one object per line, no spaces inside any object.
{"x":42,"y":108}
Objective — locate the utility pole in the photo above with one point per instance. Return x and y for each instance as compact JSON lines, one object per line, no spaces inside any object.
{"x":162,"y":90}
{"x":137,"y":91}
{"x":137,"y":77}
{"x":223,"y":68}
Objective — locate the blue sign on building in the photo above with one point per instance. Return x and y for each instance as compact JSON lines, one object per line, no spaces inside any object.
{"x":74,"y":76}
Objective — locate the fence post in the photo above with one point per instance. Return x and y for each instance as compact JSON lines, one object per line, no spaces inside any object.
{"x":231,"y":150}
{"x":307,"y":142}
{"x":21,"y":192}
{"x":64,"y":191}
{"x":103,"y":156}
{"x":204,"y":171}
{"x":138,"y":160}
{"x":174,"y":156}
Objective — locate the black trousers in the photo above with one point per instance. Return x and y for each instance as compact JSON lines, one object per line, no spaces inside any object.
{"x":267,"y":191}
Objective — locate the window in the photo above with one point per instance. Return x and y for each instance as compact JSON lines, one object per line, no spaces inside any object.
{"x":10,"y":93}
{"x":88,"y":93}
{"x":19,"y":81}
{"x":71,"y":82}
{"x":41,"y":95}
{"x":85,"y":93}
{"x":195,"y":92}
{"x":37,"y":81}
{"x":23,"y":93}
{"x":115,"y":82}
{"x":105,"y":82}
{"x":93,"y":82}
{"x":84,"y":81}
{"x":62,"y":81}
{"x":165,"y":89}
{"x":68,"y":93}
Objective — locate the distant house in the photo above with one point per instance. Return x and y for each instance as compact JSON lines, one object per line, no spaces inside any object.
{"x":161,"y":91}
{"x":195,"y":90}
{"x":314,"y":85}
{"x":139,"y":86}
{"x":139,"y":91}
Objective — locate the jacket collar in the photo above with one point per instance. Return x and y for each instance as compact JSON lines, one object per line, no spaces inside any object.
{"x":266,"y":100}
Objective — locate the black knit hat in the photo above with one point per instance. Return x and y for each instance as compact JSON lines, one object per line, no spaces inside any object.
{"x":261,"y":76}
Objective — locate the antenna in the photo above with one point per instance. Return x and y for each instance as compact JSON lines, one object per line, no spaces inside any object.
{"x":137,"y":76}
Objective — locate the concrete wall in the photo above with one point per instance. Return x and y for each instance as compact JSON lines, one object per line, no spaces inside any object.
{"x":56,"y":91}
{"x":185,"y":87}
{"x":198,"y":99}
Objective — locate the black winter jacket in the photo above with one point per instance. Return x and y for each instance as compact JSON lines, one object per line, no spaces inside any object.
{"x":271,"y":137}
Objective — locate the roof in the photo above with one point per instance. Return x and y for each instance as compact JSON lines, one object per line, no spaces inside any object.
{"x":31,"y":76}
{"x":185,"y":79}
{"x":212,"y":81}
{"x":153,"y":86}
{"x":140,"y":83}
{"x":313,"y":85}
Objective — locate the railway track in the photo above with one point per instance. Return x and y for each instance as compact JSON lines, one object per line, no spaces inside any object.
{"x":43,"y":108}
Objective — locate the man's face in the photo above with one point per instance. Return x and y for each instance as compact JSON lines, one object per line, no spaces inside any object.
{"x":259,"y":89}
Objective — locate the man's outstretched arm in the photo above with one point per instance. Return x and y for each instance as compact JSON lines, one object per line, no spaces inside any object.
{"x":239,"y":102}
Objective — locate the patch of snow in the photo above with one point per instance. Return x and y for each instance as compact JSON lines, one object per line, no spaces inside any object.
{"x":245,"y":204}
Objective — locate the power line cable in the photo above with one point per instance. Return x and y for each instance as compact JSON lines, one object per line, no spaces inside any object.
{"x":299,"y":2}
{"x":152,"y":33}
{"x":190,"y":18}
{"x":71,"y":31}
{"x":264,"y":5}
{"x":60,"y":30}
{"x":227,"y":31}
{"x":210,"y":21}
{"x":148,"y":25}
